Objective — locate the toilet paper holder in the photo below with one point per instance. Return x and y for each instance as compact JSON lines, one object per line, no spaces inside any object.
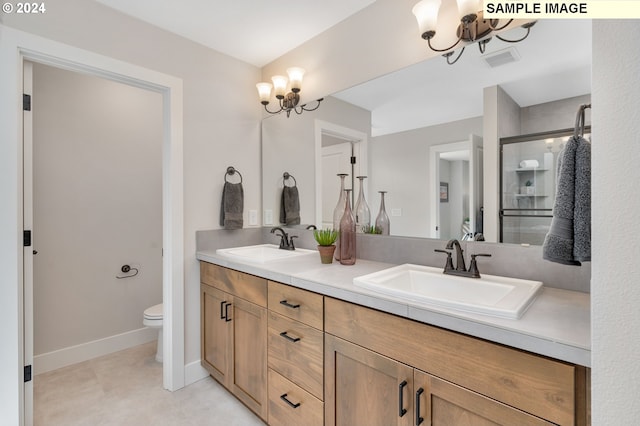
{"x":126,"y":269}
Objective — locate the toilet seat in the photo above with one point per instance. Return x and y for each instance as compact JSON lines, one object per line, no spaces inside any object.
{"x":153,"y":316}
{"x":154,"y":312}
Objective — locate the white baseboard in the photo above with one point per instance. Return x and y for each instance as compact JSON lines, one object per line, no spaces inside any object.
{"x":86,"y":351}
{"x":193,"y":372}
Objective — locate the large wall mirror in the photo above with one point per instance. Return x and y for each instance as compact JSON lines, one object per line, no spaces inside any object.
{"x":392,"y":123}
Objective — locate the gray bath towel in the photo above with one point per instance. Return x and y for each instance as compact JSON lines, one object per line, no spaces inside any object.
{"x":232,"y":206}
{"x":582,"y":211}
{"x":290,"y":206}
{"x":569,"y":238}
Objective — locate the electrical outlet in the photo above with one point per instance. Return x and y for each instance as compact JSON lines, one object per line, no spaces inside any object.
{"x":268,"y":217}
{"x":253,"y":217}
{"x":396,"y":212}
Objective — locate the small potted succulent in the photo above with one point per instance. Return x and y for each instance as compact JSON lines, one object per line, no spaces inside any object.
{"x":371,"y":229}
{"x":326,"y":239}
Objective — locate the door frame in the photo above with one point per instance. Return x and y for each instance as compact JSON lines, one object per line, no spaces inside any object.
{"x":349,"y":135}
{"x":16,"y":47}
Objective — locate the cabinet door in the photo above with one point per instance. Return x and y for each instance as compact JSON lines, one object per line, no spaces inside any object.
{"x":249,"y":354}
{"x":365,"y":388}
{"x":441,"y":403}
{"x":215,"y":333}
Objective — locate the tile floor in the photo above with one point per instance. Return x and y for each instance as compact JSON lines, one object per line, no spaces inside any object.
{"x":125,"y":388}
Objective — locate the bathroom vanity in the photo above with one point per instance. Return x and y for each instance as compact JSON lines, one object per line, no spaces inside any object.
{"x":298,"y":344}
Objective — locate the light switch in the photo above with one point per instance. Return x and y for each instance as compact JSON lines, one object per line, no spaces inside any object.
{"x":253,"y":217}
{"x":268,"y":217}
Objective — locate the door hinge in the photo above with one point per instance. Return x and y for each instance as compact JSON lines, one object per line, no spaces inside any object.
{"x":26,"y":238}
{"x":353,"y":160}
{"x":26,"y":102}
{"x":27,"y":373}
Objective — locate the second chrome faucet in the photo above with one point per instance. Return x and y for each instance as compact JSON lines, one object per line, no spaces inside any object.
{"x":460,"y":268}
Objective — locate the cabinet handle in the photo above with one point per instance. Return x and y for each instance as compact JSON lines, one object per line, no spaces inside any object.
{"x":289,"y":338}
{"x":226,"y":312}
{"x":291,"y":404}
{"x":289,"y":305}
{"x":401,"y":410}
{"x":222,"y":309}
{"x":419,"y":419}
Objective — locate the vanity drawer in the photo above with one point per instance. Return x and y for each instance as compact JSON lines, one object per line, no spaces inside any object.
{"x":283,"y":413}
{"x":298,"y":354}
{"x":245,"y":286}
{"x":297,"y":304}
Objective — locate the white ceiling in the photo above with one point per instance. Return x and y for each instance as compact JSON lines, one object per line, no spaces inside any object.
{"x":254,"y":31}
{"x":555,"y":59}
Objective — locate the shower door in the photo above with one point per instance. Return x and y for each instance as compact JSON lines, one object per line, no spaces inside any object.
{"x":528,"y":185}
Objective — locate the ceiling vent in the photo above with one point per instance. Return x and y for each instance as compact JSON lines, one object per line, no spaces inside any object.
{"x":501,"y":57}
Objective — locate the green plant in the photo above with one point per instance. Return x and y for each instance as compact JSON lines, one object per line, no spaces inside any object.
{"x":528,"y":183}
{"x":370,"y":229}
{"x":325,"y":237}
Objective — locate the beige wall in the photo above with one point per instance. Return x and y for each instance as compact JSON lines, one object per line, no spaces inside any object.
{"x":221,"y":115}
{"x":97,"y":206}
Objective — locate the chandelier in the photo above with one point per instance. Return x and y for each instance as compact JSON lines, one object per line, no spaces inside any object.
{"x":287,"y":101}
{"x":473,"y":27}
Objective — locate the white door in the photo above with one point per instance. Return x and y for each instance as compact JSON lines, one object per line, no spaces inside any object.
{"x":335,"y":159}
{"x":29,"y":250}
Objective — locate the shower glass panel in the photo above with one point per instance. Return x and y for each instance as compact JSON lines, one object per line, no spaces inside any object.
{"x":528,"y":185}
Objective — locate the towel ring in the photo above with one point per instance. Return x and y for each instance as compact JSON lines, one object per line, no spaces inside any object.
{"x":578,"y":130}
{"x":230,"y":172}
{"x":286,"y":176}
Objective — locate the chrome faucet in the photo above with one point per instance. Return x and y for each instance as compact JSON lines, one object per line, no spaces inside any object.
{"x":460,"y":268}
{"x":286,"y":242}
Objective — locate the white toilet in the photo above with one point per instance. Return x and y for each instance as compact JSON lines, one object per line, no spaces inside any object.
{"x":153,"y":318}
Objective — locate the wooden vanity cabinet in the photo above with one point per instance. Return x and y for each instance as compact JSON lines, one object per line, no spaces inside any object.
{"x":375,"y":364}
{"x":295,"y":356}
{"x":234,"y":333}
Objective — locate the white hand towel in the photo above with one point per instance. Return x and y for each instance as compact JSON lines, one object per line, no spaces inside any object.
{"x":525,"y":164}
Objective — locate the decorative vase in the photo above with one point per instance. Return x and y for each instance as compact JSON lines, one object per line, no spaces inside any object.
{"x":362,"y":212}
{"x":339,"y":211}
{"x":347,"y":237}
{"x":382,"y":221}
{"x":326,"y":253}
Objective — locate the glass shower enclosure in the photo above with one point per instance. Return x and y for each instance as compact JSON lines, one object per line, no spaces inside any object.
{"x":528,"y":184}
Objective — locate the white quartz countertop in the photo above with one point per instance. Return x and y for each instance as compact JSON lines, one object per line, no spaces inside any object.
{"x":557,"y":324}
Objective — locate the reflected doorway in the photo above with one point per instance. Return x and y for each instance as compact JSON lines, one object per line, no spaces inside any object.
{"x":456,"y":189}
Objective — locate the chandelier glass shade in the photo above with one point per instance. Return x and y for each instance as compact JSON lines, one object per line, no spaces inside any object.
{"x":472,"y":28}
{"x":287,"y":100}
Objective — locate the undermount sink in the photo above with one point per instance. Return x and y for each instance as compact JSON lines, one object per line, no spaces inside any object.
{"x":489,"y":295}
{"x":261,"y":253}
